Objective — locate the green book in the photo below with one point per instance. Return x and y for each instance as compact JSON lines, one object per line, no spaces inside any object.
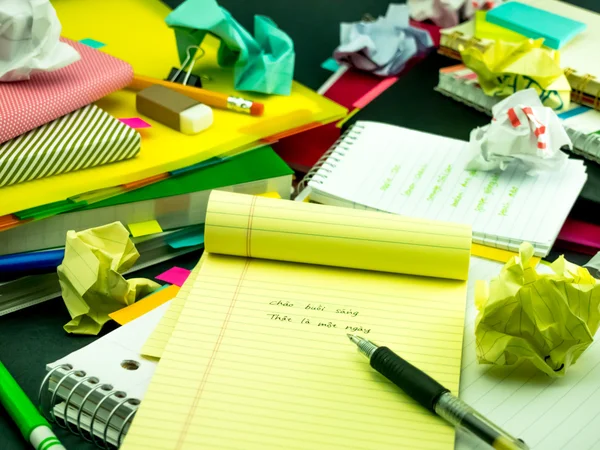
{"x":175,"y":202}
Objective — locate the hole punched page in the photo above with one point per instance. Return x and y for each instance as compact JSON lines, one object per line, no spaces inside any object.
{"x":259,"y":358}
{"x":266,"y":228}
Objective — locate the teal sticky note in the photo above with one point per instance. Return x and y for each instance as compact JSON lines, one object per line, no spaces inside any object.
{"x":330,"y":64}
{"x":188,"y":237}
{"x":92,"y":43}
{"x":536,"y":23}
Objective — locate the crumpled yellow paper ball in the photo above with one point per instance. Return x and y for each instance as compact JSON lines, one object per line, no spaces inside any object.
{"x":90,"y":276}
{"x":548,"y":319}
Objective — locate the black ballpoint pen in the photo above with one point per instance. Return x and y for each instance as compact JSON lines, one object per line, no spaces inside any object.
{"x":433,"y":396}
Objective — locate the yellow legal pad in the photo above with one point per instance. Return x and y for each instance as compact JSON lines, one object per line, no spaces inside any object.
{"x":134,"y":30}
{"x":259,"y":356}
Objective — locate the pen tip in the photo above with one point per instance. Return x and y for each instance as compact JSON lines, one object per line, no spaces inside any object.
{"x":349,"y":336}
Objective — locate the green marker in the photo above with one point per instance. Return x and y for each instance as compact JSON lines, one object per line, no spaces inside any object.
{"x":34,"y":427}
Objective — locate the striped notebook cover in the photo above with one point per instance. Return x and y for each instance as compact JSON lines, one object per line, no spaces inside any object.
{"x":25,"y":105}
{"x":85,"y":138}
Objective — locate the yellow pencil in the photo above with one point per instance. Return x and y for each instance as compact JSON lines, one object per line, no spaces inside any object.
{"x":210,"y":98}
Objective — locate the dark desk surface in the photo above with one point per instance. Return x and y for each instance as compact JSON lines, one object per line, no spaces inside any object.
{"x":33,"y":337}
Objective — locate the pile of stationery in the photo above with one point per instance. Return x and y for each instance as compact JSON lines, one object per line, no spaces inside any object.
{"x":116,"y":156}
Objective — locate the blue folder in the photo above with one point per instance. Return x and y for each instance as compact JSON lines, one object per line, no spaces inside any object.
{"x":23,"y":262}
{"x":536,"y":23}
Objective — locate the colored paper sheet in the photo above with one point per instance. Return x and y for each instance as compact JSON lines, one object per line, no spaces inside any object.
{"x":175,"y":275}
{"x":375,"y":92}
{"x":230,"y":132}
{"x":92,"y":43}
{"x":135,"y":122}
{"x":144,"y":228}
{"x":144,"y":305}
{"x":581,"y":233}
{"x":341,"y":123}
{"x":536,"y":23}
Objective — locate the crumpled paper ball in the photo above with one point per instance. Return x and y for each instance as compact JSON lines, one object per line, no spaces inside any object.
{"x":507,"y":67}
{"x":447,"y":13}
{"x":29,"y":40}
{"x":90,"y":276}
{"x":382,"y":46}
{"x":522,"y":131}
{"x":548,"y":319}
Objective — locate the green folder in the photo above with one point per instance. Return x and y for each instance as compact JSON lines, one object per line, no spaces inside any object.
{"x":258,"y":164}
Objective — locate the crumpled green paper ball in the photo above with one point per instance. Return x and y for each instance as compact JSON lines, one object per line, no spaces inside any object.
{"x":548,"y":319}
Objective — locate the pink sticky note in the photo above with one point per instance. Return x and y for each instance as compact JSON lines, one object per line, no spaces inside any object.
{"x":135,"y":122}
{"x":175,"y":275}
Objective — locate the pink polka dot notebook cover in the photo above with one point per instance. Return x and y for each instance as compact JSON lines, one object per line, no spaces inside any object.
{"x":25,"y":105}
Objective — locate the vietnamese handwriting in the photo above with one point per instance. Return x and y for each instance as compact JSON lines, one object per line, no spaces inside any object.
{"x":440,"y":182}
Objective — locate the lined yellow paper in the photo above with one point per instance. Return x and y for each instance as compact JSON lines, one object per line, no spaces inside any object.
{"x":259,"y":356}
{"x":156,"y":343}
{"x":243,"y":370}
{"x":258,"y":227}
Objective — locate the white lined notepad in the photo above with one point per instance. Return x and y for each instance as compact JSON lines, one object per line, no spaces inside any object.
{"x":547,"y":413}
{"x":416,"y":174}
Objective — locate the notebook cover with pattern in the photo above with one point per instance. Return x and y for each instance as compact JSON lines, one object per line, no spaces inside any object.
{"x":25,"y":105}
{"x":85,"y":138}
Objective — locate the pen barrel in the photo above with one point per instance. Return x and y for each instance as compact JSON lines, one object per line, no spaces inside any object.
{"x":416,"y":383}
{"x":18,"y":405}
{"x":462,"y":415}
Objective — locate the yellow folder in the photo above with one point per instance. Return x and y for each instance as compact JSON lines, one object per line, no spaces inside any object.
{"x":134,"y":30}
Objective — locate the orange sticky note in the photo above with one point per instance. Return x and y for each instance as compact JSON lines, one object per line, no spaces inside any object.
{"x":144,"y":305}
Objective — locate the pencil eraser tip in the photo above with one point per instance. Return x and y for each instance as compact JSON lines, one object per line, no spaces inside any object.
{"x":257,"y":109}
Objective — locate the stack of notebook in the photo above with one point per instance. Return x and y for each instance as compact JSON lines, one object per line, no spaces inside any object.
{"x":577,"y":56}
{"x":581,"y":123}
{"x":170,"y":178}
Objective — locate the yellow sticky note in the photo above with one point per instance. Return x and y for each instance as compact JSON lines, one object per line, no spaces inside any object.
{"x":144,"y":228}
{"x":487,"y":30}
{"x":498,"y":254}
{"x":144,"y":305}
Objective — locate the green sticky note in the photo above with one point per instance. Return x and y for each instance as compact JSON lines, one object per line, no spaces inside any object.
{"x":330,"y":64}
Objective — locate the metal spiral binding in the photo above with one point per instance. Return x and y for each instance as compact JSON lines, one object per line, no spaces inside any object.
{"x":332,"y":157}
{"x":93,"y":384}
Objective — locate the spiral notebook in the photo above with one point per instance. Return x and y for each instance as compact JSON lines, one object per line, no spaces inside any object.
{"x":402,"y":171}
{"x":259,"y":356}
{"x":102,"y":384}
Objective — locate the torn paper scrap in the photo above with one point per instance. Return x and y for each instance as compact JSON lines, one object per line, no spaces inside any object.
{"x":90,"y":276}
{"x":547,"y":319}
{"x":507,"y":67}
{"x":382,"y":46}
{"x":522,"y":131}
{"x":29,"y":40}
